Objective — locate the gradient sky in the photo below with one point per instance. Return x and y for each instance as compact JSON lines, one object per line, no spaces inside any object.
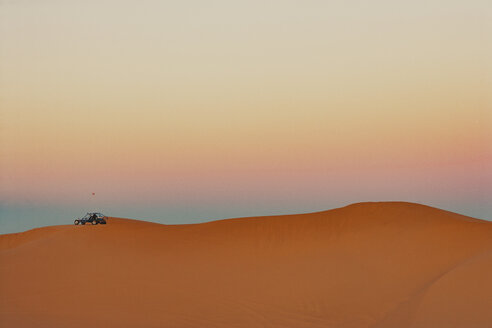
{"x":187,"y":111}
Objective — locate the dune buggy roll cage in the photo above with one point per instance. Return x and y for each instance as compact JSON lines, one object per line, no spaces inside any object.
{"x":93,"y":218}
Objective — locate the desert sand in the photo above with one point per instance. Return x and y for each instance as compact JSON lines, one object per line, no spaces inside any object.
{"x":378,"y":265}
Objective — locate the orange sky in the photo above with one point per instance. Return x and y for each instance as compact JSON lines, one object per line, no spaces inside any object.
{"x":186,"y":101}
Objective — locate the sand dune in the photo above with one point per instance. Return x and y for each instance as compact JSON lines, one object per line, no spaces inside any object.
{"x":376,"y":265}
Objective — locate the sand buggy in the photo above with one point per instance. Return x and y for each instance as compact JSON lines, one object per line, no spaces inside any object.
{"x":92,"y":218}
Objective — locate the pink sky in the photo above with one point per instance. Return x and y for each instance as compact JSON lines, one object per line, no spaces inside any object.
{"x":247,"y":104}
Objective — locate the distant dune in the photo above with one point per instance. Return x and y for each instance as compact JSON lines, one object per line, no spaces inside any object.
{"x":378,"y":265}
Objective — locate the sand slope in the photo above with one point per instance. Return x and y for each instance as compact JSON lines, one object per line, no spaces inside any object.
{"x":377,"y":265}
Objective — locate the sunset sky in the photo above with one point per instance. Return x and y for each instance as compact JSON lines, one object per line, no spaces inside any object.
{"x":188,"y":111}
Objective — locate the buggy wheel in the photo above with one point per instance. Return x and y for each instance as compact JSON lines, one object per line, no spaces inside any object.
{"x":94,"y":222}
{"x":76,"y":222}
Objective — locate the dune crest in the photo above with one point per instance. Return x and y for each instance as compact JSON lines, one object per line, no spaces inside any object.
{"x":382,"y":264}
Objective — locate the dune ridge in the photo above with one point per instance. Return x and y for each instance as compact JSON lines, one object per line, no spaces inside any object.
{"x":379,"y":265}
